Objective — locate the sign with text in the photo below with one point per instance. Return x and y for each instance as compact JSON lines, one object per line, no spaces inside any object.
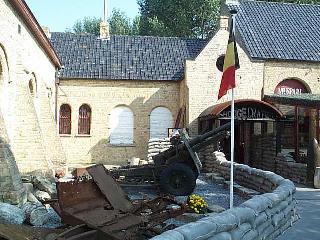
{"x":247,"y":113}
{"x":290,"y":87}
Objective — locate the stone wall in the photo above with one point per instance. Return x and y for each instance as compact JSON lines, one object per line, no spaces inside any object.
{"x":27,"y":87}
{"x":103,"y":96}
{"x":276,"y":71}
{"x":265,"y":216}
{"x":203,"y":78}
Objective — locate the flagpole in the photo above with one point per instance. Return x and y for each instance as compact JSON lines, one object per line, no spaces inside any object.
{"x":232,"y":126}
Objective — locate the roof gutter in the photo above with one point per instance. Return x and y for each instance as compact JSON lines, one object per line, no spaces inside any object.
{"x":31,"y":22}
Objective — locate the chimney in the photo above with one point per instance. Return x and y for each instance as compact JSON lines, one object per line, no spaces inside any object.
{"x":104,"y":26}
{"x":104,"y":30}
{"x":224,"y":12}
{"x":46,"y":30}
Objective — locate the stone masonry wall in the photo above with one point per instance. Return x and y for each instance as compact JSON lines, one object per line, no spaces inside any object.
{"x":102,"y":96}
{"x":276,"y":71}
{"x":29,"y":120}
{"x":264,"y":216}
{"x":203,"y":78}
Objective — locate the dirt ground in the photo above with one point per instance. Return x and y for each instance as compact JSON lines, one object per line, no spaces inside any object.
{"x":22,"y":232}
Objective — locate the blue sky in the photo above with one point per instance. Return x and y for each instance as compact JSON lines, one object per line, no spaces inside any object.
{"x":59,"y":15}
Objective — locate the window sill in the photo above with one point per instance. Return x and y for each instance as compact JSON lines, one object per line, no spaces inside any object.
{"x":83,"y":135}
{"x":122,"y":145}
{"x":65,"y":135}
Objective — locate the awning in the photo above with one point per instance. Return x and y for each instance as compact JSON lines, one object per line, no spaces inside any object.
{"x":245,"y":109}
{"x":301,"y":100}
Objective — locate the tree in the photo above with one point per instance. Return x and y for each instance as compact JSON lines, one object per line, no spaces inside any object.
{"x":297,"y":1}
{"x":188,"y":18}
{"x":119,"y":23}
{"x":135,"y":28}
{"x":87,"y":25}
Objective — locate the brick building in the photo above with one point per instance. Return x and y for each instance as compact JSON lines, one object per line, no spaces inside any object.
{"x":140,"y":74}
{"x":28,"y":136}
{"x":114,"y":93}
{"x":278,"y":45}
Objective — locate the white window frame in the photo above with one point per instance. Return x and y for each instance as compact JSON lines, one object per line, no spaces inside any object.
{"x":161,"y":125}
{"x":121,"y":126}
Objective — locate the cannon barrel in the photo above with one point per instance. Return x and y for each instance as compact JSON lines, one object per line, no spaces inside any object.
{"x":207,"y":135}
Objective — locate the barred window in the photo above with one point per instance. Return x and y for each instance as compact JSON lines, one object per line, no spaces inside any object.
{"x":84,"y":121}
{"x":65,"y":119}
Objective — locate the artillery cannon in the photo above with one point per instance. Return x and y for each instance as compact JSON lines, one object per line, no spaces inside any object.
{"x":177,"y":168}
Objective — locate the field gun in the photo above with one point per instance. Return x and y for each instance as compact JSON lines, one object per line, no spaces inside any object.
{"x":176,"y":169}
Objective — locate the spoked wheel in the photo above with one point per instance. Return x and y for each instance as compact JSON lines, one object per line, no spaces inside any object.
{"x":178,"y":179}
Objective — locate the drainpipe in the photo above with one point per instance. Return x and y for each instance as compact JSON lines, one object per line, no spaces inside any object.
{"x":56,"y":94}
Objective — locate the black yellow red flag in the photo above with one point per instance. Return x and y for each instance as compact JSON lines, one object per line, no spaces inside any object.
{"x":231,"y":63}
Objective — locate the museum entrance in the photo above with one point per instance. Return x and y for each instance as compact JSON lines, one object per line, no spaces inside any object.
{"x":255,"y":130}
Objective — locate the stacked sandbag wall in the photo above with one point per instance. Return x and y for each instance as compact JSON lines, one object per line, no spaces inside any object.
{"x":264,"y":216}
{"x":206,"y":157}
{"x":156,"y":146}
{"x":288,"y":168}
{"x":263,"y":151}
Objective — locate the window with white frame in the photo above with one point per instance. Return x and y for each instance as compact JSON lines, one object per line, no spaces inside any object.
{"x":121,"y":126}
{"x":160,"y":120}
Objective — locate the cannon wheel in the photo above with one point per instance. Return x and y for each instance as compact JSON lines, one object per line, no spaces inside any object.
{"x":177,"y":179}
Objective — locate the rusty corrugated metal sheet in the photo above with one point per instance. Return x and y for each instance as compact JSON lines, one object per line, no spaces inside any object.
{"x":111,"y":190}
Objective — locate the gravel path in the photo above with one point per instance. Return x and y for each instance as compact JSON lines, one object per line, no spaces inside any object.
{"x":216,"y":194}
{"x":213,"y":193}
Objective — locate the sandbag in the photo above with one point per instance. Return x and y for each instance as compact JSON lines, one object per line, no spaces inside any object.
{"x":277,"y":209}
{"x":288,"y":210}
{"x":169,"y":235}
{"x":221,"y":236}
{"x":244,"y":214}
{"x":251,"y":235}
{"x":268,"y":231}
{"x":199,"y":230}
{"x":257,"y":203}
{"x":261,"y":218}
{"x":225,"y":221}
{"x":263,"y":226}
{"x":277,"y":218}
{"x":240,"y":231}
{"x":44,"y":184}
{"x":11,"y":214}
{"x":275,"y":198}
{"x":39,"y":216}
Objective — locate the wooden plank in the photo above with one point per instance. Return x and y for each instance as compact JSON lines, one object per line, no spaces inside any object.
{"x":110,"y":188}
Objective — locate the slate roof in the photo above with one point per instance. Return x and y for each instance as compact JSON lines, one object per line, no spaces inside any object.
{"x":124,"y":57}
{"x":267,"y":30}
{"x":281,"y":31}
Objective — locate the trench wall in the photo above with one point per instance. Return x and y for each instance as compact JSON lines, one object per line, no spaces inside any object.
{"x":264,"y":216}
{"x":286,"y":167}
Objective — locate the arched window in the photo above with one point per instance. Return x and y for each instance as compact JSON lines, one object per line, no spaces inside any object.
{"x":121,"y":123}
{"x":84,"y":120}
{"x":295,"y":129}
{"x":65,"y":119}
{"x":160,"y":120}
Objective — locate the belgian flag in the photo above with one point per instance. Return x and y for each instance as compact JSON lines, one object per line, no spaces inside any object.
{"x":231,"y":63}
